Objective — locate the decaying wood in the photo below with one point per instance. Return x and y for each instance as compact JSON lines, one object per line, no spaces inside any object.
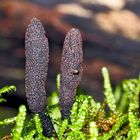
{"x":71,"y":70}
{"x":37,"y":58}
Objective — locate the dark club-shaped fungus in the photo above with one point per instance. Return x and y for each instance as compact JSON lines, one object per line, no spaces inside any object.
{"x":37,"y":58}
{"x":71,"y":70}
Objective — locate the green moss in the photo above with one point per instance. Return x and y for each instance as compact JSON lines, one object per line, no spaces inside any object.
{"x":89,"y":119}
{"x":6,"y":89}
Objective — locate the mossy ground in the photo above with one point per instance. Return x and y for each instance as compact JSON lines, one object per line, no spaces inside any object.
{"x":89,"y":119}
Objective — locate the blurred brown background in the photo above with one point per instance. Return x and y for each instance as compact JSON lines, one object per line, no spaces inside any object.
{"x":111,"y":38}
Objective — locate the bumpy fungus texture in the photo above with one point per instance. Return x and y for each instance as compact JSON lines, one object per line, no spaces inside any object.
{"x":37,"y":58}
{"x":71,"y":70}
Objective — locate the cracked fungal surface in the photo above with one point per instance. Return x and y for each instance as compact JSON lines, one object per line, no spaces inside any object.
{"x":37,"y":58}
{"x":71,"y":70}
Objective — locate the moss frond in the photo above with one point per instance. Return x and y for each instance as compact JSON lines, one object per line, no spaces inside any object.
{"x":39,"y":129}
{"x":82,"y":113}
{"x":8,"y":121}
{"x":110,"y":99}
{"x":5,"y":90}
{"x":30,"y":136}
{"x":93,"y":130}
{"x":62,"y":129}
{"x":17,"y":130}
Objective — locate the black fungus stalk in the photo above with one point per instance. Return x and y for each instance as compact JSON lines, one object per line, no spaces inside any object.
{"x":37,"y":58}
{"x":71,"y":70}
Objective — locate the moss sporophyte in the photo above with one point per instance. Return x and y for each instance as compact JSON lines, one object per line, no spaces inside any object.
{"x":68,"y":114}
